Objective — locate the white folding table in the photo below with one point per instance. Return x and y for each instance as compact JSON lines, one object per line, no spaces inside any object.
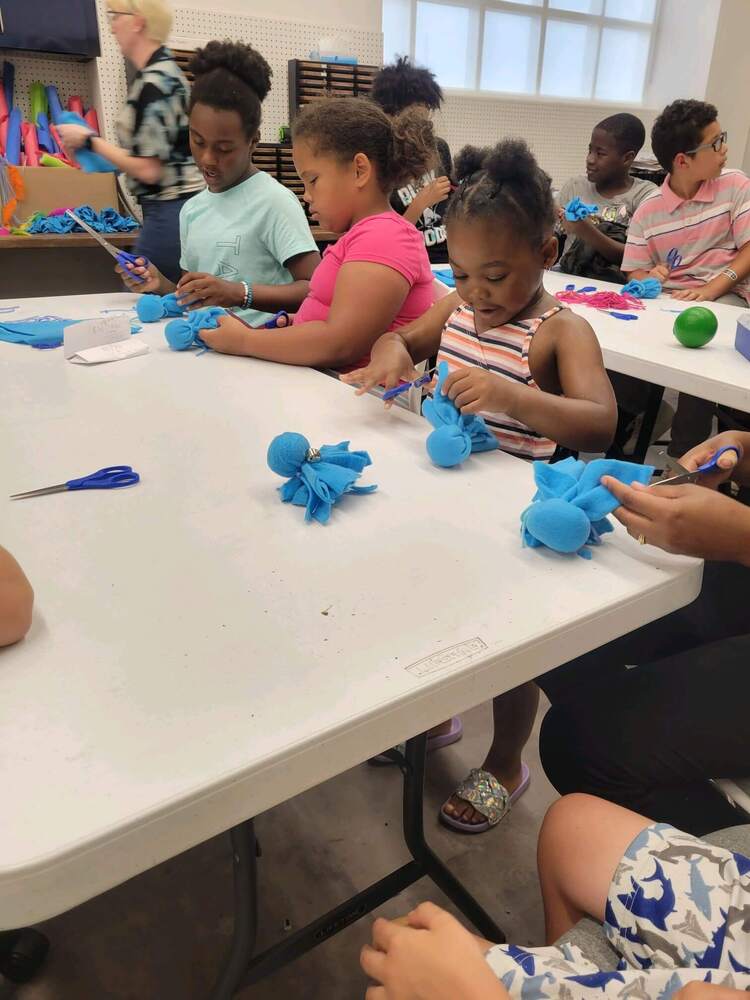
{"x":646,"y":348}
{"x":200,"y":654}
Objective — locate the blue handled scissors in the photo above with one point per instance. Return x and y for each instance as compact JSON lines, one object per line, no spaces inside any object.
{"x":684,"y":475}
{"x":674,"y":258}
{"x":273,"y":322}
{"x":114,"y":477}
{"x":405,"y":386}
{"x":121,"y":256}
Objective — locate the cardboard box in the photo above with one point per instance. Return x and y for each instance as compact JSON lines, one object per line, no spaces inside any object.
{"x":48,"y":188}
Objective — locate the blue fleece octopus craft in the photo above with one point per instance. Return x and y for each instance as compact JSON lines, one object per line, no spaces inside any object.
{"x":316,"y":478}
{"x":570,"y":508}
{"x":456,"y":435}
{"x":182,"y":334}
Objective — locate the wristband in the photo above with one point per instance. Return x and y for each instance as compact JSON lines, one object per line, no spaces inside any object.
{"x":729,"y":273}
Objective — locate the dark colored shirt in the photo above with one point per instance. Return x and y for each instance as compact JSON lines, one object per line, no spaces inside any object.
{"x":154,"y":123}
{"x":431,"y":222}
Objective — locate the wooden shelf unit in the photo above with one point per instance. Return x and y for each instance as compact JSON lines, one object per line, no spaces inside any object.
{"x":276,"y":159}
{"x":310,"y":80}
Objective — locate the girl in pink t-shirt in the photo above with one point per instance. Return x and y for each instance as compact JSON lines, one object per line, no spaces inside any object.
{"x":350,"y":156}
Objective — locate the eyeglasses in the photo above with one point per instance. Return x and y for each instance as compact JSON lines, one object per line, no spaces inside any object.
{"x":112,"y":14}
{"x":716,"y":145}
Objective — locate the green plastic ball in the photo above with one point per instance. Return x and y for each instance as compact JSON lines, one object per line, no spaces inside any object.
{"x":695,"y":326}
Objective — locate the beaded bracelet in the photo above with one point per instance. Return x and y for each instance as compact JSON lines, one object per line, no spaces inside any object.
{"x":247,"y":301}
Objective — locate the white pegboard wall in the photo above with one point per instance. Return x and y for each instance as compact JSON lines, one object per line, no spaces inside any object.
{"x":278,"y":40}
{"x":68,"y":75}
{"x":108,"y":80}
{"x":558,"y":133}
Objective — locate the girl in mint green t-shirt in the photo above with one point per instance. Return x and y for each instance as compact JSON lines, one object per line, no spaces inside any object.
{"x":245,"y":240}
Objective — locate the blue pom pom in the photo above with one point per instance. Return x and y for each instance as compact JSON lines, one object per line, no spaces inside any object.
{"x":149,"y":308}
{"x":448,"y":445}
{"x":179,"y":334}
{"x":287,"y":452}
{"x":558,"y":524}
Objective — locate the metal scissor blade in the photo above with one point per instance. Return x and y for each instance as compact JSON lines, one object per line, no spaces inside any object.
{"x":60,"y":488}
{"x":677,"y":475}
{"x":92,"y":232}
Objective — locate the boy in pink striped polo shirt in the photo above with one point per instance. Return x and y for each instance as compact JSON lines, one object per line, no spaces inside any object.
{"x":693,"y":234}
{"x":701,"y":211}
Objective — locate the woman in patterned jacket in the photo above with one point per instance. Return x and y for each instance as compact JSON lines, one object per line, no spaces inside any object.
{"x":154,"y":150}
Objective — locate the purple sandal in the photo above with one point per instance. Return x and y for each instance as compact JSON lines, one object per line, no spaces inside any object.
{"x":487,"y":796}
{"x":453,"y":735}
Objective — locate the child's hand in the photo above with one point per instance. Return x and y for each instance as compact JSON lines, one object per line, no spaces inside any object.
{"x":694,"y":294}
{"x":474,"y":390}
{"x":196,"y":290}
{"x":707,"y":991}
{"x":703,"y":453}
{"x":435,"y":192}
{"x":435,"y":958}
{"x":580,"y":228}
{"x":390,"y":364}
{"x":152,"y":278}
{"x":660,"y":271}
{"x":227,"y":338}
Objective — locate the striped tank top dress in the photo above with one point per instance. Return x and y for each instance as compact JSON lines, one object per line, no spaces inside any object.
{"x":504,"y":351}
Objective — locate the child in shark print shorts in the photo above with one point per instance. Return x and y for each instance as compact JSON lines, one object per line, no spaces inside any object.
{"x":678,"y":910}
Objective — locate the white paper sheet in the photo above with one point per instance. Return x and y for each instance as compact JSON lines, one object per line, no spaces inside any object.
{"x":130,"y":348}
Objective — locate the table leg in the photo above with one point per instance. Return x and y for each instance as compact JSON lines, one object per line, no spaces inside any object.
{"x":244,"y":852}
{"x":22,"y":954}
{"x":421,"y":851}
{"x":241,"y":969}
{"x":643,"y":443}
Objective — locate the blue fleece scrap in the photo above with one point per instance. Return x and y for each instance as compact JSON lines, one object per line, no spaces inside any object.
{"x":576,"y":210}
{"x":649,"y":288}
{"x":36,"y":333}
{"x":89,"y":161}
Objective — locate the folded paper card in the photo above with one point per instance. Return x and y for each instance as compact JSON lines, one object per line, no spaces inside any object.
{"x":92,"y":333}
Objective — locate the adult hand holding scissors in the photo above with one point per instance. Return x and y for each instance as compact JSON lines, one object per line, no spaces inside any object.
{"x":692,"y":519}
{"x":686,"y":520}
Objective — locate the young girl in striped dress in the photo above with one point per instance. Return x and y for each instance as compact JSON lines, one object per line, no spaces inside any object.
{"x":532,"y":368}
